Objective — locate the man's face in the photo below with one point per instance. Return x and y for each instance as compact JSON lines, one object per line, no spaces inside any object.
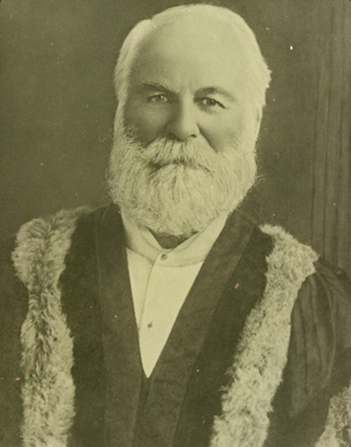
{"x":184,"y":147}
{"x":188,"y":81}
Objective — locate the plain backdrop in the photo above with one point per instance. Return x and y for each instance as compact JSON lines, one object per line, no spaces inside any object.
{"x":57,"y":108}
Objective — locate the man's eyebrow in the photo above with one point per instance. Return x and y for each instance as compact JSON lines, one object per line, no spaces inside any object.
{"x":213,"y":90}
{"x":217,"y":90}
{"x":145,"y":85}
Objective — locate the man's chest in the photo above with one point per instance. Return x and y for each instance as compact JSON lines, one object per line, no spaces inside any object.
{"x":190,"y":368}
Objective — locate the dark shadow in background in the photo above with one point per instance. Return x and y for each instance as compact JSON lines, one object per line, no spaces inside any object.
{"x":58,"y":104}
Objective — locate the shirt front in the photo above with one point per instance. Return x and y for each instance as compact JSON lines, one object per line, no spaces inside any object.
{"x":161,"y":280}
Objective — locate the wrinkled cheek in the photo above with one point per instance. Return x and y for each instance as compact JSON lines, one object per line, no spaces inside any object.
{"x":148,"y":126}
{"x":222,"y":139}
{"x":224,"y":133}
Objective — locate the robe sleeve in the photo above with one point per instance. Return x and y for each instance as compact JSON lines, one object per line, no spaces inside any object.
{"x":13,"y":310}
{"x":312,"y":407}
{"x":337,"y":429}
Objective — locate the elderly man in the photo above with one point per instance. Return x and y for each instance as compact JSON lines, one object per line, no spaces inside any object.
{"x":167,"y":318}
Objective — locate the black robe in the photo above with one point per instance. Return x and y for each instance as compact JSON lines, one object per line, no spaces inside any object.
{"x":116,"y":405}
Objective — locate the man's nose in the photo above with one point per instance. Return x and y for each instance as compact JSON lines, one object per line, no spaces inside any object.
{"x":183,"y":124}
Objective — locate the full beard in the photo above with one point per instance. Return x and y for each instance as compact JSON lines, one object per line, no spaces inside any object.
{"x":178,"y":188}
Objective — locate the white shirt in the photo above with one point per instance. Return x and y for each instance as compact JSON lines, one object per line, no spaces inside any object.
{"x":161,"y":280}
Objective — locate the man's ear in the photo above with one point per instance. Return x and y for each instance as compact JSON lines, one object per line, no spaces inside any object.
{"x":119,"y":119}
{"x":257,"y":121}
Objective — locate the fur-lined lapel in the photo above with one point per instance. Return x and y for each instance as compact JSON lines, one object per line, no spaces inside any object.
{"x":262,"y":353}
{"x":48,"y":392}
{"x":337,"y":431}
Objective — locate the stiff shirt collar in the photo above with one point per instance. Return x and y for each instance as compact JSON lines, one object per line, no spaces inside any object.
{"x":193,"y":250}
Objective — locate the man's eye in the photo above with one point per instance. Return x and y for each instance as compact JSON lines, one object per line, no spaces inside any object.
{"x":158,"y":98}
{"x":211,"y":103}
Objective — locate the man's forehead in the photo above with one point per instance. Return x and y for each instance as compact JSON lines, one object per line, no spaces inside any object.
{"x":202,"y":48}
{"x":197,"y":31}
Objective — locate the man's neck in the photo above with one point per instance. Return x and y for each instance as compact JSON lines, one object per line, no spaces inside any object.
{"x":169,"y":241}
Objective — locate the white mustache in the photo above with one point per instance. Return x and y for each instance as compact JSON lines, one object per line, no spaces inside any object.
{"x":195,"y":154}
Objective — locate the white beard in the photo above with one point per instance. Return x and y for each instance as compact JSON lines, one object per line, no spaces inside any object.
{"x":178,"y":188}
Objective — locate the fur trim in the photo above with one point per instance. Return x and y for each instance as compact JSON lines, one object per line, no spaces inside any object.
{"x":48,"y":391}
{"x":47,"y":359}
{"x":262,"y":352}
{"x":337,"y":431}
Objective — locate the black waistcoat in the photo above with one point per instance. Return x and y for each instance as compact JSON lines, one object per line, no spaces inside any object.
{"x":115,"y":404}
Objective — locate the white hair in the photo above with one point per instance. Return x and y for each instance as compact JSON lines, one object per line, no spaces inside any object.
{"x":258,"y":72}
{"x":179,"y":187}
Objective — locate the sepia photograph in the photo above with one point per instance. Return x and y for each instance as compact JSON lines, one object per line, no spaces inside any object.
{"x":175,"y":225}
